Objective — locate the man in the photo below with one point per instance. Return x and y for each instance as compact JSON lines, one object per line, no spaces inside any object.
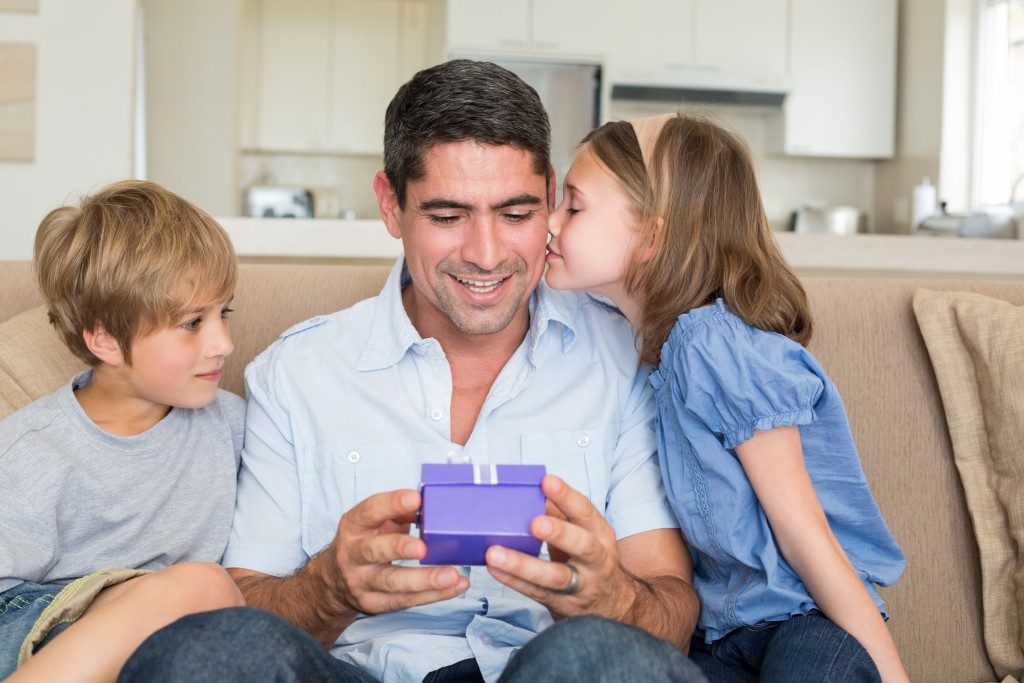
{"x":464,"y":357}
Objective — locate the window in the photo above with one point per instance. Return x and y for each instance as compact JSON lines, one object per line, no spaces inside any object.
{"x":999,"y":148}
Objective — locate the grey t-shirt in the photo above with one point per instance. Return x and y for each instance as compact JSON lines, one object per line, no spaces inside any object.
{"x":74,"y":498}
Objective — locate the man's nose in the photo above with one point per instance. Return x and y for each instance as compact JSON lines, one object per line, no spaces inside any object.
{"x":485,"y":245}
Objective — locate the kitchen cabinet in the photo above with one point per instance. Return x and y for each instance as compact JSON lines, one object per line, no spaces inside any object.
{"x":572,"y":28}
{"x":294,"y":47}
{"x":843,"y":79}
{"x":736,"y":44}
{"x":325,"y":71}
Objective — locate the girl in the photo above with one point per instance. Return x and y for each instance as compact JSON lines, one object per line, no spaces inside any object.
{"x":663,"y":217}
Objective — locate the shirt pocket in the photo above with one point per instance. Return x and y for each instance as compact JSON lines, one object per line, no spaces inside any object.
{"x":340,"y":475}
{"x":581,"y":457}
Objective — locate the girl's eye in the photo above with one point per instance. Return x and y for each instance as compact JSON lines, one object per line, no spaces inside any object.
{"x":225,"y":312}
{"x":571,"y":210}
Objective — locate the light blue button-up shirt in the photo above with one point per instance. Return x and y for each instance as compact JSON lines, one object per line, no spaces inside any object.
{"x":350,"y":404}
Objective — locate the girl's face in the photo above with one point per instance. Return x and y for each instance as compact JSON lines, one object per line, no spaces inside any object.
{"x":592,"y":231}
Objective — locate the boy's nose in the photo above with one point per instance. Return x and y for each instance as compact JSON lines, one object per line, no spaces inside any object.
{"x":220,"y":343}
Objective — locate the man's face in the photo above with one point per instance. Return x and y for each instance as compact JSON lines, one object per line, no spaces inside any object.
{"x":474,"y":229}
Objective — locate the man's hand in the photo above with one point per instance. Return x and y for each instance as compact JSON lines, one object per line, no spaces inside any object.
{"x":357,"y":565}
{"x":579,"y":538}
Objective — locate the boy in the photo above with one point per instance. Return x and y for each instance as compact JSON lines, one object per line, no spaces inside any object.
{"x":132,"y":465}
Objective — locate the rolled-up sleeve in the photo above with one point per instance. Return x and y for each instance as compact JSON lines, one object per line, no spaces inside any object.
{"x":636,"y":498}
{"x":266,"y":533}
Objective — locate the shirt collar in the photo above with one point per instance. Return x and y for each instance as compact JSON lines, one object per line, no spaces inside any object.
{"x":392,"y":333}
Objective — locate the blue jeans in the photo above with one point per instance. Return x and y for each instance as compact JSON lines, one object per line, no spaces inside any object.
{"x":245,"y":644}
{"x":20,"y":607}
{"x":806,"y":647}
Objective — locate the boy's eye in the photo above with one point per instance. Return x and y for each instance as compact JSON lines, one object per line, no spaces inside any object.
{"x":192,"y":325}
{"x":225,"y":312}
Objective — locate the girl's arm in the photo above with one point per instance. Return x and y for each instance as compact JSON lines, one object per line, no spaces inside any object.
{"x":774,"y":464}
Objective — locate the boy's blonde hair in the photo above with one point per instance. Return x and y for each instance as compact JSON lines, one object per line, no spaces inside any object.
{"x":714,"y":239}
{"x":133,"y":257}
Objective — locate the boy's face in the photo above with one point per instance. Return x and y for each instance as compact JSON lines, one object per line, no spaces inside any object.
{"x":181,"y":365}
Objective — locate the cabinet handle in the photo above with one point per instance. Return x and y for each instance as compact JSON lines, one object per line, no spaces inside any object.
{"x":676,"y":66}
{"x":708,"y":67}
{"x":513,"y":43}
{"x":546,"y":45}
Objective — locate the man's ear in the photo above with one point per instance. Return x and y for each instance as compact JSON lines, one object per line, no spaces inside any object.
{"x":649,"y":250}
{"x":387,"y":200}
{"x":103,"y":345}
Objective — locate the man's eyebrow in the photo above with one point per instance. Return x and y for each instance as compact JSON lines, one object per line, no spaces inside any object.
{"x":432,"y":204}
{"x":520,"y":200}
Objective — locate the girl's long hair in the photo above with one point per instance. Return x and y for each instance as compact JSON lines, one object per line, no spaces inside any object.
{"x":703,"y":233}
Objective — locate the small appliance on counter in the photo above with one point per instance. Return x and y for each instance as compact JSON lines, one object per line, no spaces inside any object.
{"x":997,"y":221}
{"x":267,"y":201}
{"x":828,"y":220}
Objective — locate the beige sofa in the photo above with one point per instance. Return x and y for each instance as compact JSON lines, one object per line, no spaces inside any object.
{"x":865,"y":336}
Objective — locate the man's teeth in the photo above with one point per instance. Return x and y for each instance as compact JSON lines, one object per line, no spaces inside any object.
{"x":479,"y":286}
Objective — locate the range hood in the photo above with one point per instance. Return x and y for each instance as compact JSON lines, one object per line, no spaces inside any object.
{"x":703,"y":95}
{"x":700,"y":86}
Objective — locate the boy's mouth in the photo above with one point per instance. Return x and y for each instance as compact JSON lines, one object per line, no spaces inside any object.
{"x":213,"y":376}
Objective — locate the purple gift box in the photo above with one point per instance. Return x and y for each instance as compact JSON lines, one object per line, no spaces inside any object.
{"x":468,"y":508}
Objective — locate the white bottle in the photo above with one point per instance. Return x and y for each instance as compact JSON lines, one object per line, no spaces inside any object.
{"x":923,"y":204}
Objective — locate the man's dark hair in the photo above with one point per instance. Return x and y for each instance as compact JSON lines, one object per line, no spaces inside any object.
{"x":462,"y":100}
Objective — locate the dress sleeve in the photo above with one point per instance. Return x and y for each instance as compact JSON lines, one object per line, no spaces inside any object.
{"x":737,"y":378}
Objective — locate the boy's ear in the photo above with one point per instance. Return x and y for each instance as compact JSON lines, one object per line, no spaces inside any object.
{"x":649,"y":250}
{"x":387,"y":200}
{"x":103,"y":345}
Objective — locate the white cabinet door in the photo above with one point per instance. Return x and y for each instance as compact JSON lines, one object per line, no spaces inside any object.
{"x":742,"y":37}
{"x":572,"y":27}
{"x":843,"y":73}
{"x":365,"y":73}
{"x":294,"y":55}
{"x":651,"y":37}
{"x":488,"y":25}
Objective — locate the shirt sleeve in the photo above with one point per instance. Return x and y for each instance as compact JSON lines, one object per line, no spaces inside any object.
{"x":266,"y":532}
{"x":737,"y":378}
{"x":636,"y":497}
{"x":28,"y":542}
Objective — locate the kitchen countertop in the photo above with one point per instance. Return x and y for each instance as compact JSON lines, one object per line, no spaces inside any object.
{"x":849,"y":255}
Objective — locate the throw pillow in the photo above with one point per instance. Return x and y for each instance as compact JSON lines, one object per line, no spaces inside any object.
{"x":33,"y":360}
{"x":976,"y":345}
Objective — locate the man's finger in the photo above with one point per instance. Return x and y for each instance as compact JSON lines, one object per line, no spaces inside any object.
{"x":576,"y":507}
{"x":551,"y":576}
{"x":578,"y":543}
{"x":375,"y":603}
{"x":390,"y":506}
{"x":385,"y":548}
{"x":397,"y":580}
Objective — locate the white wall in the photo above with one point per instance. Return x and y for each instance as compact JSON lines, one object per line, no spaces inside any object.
{"x":84,"y":109}
{"x":192,"y":53}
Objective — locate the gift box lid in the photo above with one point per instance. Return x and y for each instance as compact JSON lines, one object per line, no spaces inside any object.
{"x":441,"y":474}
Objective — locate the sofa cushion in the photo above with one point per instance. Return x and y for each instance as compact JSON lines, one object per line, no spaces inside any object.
{"x":976,"y":345}
{"x":33,"y":360}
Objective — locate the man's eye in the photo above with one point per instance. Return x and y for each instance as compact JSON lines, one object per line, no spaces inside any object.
{"x":443,"y":220}
{"x":519,"y":217}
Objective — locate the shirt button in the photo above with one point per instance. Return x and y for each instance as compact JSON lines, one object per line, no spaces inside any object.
{"x":353,"y":456}
{"x":486,"y":640}
{"x":583,"y":441}
{"x":436,"y":414}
